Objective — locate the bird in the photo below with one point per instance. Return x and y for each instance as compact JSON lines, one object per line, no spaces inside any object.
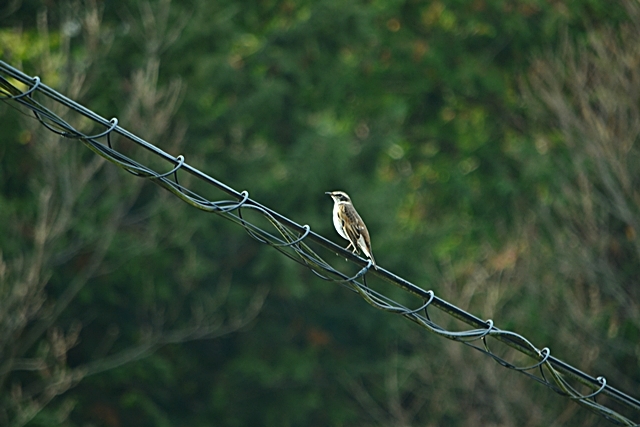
{"x":350,"y":225}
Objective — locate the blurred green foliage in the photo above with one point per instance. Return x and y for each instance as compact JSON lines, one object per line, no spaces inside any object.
{"x":416,"y":109}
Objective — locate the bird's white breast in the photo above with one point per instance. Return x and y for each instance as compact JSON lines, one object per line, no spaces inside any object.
{"x":337,"y":222}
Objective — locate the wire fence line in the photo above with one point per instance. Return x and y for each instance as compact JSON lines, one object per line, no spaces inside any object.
{"x":289,"y":238}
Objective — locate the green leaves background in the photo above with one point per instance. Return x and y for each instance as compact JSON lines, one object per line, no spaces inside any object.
{"x":453,"y":125}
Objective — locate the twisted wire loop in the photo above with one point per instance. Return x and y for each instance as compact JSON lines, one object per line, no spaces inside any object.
{"x":36,"y":83}
{"x":114,"y":123}
{"x":423,"y":306}
{"x":291,"y":239}
{"x":174,"y":170}
{"x":307,"y":230}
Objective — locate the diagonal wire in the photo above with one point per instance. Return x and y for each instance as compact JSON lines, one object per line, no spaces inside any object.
{"x":289,"y":238}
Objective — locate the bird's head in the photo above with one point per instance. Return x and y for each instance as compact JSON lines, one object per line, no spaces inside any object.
{"x":339,"y":196}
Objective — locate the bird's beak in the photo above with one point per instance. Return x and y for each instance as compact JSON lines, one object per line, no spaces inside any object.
{"x":329,"y":193}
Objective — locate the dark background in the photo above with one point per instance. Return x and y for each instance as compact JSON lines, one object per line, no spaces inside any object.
{"x":491,"y":147}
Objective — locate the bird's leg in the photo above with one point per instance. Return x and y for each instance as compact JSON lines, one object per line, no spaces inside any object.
{"x":355,"y":248}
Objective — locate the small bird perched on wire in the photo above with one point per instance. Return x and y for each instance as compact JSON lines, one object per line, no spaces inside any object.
{"x":349,"y":225}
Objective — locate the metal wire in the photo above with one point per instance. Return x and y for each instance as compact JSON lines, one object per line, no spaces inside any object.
{"x":290,"y":241}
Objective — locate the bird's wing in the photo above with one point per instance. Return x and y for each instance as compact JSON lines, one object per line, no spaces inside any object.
{"x":358,"y":233}
{"x":350,"y":225}
{"x":365,"y":244}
